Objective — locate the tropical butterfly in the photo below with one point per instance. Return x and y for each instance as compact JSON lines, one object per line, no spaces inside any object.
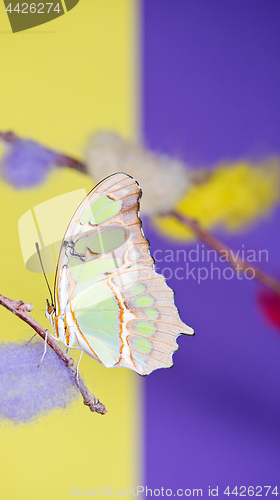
{"x":109,"y":301}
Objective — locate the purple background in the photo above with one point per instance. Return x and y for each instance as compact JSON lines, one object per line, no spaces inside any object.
{"x":211,"y":85}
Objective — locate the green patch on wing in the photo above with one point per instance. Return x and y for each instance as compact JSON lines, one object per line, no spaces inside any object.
{"x":91,"y":296}
{"x":152,"y":313}
{"x":100,"y":324}
{"x":101,"y":210}
{"x":107,"y":240}
{"x":146,"y":328}
{"x":80,"y":246}
{"x":144,"y":346}
{"x":136,"y":289}
{"x":144,"y":301}
{"x":104,"y":342}
{"x":75,"y":267}
{"x":93,"y":270}
{"x":140,"y":359}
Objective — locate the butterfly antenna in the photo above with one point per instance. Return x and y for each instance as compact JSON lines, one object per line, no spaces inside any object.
{"x":39,"y":255}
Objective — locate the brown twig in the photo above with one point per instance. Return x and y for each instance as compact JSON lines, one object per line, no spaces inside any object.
{"x":235,"y":261}
{"x":8,"y":137}
{"x":61,"y":160}
{"x":66,"y":161}
{"x":21,"y":310}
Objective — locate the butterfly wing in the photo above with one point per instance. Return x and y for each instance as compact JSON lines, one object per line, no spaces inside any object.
{"x":120,"y":311}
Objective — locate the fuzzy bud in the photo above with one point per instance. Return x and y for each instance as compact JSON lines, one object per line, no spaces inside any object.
{"x":163,"y":180}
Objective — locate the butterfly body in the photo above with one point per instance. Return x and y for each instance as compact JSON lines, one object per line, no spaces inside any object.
{"x":109,"y":301}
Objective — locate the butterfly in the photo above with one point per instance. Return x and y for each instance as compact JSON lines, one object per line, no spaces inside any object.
{"x":109,"y":301}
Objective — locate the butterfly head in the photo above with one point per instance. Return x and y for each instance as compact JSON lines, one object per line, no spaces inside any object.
{"x":50,"y":311}
{"x":51,"y":314}
{"x":50,"y":308}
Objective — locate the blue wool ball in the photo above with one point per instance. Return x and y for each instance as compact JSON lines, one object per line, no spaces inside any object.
{"x":26,"y":163}
{"x":28,"y":391}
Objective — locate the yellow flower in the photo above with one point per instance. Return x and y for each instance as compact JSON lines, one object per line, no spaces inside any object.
{"x":234,"y":196}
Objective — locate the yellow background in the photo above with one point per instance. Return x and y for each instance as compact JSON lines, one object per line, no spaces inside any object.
{"x":60,"y":82}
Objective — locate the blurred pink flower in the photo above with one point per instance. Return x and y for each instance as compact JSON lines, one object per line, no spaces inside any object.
{"x":269,"y":303}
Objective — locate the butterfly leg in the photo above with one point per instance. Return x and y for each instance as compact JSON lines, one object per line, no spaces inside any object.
{"x":26,"y":343}
{"x":45,"y":347}
{"x":78,"y":366}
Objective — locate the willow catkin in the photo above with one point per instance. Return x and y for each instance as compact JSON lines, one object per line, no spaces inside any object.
{"x":163,"y":180}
